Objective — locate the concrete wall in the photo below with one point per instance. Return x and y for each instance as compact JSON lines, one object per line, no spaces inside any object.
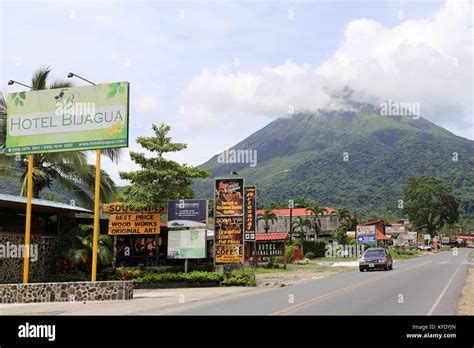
{"x":66,"y":292}
{"x":11,"y":268}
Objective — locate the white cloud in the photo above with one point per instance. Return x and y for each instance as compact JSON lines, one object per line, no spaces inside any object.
{"x":427,"y":61}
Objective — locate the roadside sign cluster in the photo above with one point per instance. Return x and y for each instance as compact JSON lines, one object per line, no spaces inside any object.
{"x":229,"y":221}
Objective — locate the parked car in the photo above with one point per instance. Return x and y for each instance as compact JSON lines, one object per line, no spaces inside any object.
{"x":375,"y":258}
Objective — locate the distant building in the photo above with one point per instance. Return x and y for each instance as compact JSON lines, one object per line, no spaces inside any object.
{"x":328,"y":220}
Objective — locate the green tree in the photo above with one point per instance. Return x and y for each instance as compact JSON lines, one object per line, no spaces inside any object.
{"x":67,"y":170}
{"x":430,"y":203}
{"x":316,"y":210}
{"x":159,"y":179}
{"x":343,"y":214}
{"x":268,"y":217}
{"x":78,"y":247}
{"x":302,"y":225}
{"x":340,"y":233}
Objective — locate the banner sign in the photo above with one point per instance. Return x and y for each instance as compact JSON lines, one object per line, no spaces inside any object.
{"x":229,"y":254}
{"x":269,"y":248}
{"x":68,"y":119}
{"x":187,"y":244}
{"x":187,"y":213}
{"x":250,"y":210}
{"x":445,"y":240}
{"x":229,"y":230}
{"x":120,"y":207}
{"x":121,"y":224}
{"x":394,"y":229}
{"x":366,"y":234}
{"x":229,"y":197}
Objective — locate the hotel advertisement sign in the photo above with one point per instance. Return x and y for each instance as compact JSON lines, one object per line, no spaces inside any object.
{"x":68,"y":119}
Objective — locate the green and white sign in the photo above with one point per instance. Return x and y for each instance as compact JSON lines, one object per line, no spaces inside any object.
{"x":68,"y":119}
{"x":187,"y":244}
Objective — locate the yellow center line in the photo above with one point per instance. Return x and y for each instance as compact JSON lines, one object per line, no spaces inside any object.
{"x":339,"y":291}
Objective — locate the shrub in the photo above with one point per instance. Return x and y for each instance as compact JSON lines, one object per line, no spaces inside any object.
{"x":193,"y":277}
{"x":309,"y":255}
{"x":289,"y":252}
{"x":317,"y":247}
{"x":239,"y":280}
{"x":124,"y":273}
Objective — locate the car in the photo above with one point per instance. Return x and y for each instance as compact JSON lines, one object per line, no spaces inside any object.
{"x":424,"y":247}
{"x":375,"y":258}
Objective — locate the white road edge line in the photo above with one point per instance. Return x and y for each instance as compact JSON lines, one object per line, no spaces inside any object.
{"x":438,"y":300}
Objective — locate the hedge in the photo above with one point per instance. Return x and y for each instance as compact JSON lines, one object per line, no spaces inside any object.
{"x":317,"y":247}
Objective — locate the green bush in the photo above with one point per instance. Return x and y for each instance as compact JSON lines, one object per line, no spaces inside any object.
{"x":309,"y":255}
{"x":289,"y":252}
{"x":125,"y":273}
{"x":239,"y":280}
{"x":317,"y":247}
{"x":193,"y":277}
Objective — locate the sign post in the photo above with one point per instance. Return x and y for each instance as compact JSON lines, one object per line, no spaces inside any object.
{"x":29,"y":194}
{"x":95,"y":238}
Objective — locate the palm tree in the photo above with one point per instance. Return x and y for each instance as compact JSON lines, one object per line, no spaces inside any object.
{"x":268,"y":217}
{"x":301,"y":224}
{"x":343,"y":214}
{"x":78,"y":247}
{"x":67,"y":170}
{"x":316,"y":210}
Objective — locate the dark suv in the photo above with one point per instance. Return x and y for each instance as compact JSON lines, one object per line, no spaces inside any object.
{"x":375,"y":258}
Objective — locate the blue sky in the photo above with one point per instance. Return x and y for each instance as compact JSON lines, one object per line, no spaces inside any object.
{"x":180,"y":58}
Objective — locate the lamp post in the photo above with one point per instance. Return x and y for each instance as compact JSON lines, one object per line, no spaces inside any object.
{"x":29,"y":196}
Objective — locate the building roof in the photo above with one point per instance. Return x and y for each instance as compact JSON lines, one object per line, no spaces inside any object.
{"x":272,"y":236}
{"x":371,"y":223}
{"x":296,"y":211}
{"x":42,"y":203}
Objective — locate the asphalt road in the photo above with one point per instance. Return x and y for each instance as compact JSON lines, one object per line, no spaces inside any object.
{"x":429,"y":285}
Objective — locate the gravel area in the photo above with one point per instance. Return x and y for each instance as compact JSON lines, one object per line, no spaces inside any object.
{"x":466,"y":302}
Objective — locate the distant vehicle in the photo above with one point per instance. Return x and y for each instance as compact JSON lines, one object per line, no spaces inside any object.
{"x":375,"y":258}
{"x":424,"y":247}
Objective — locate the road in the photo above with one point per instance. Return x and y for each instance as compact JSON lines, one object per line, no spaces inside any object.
{"x":428,"y":285}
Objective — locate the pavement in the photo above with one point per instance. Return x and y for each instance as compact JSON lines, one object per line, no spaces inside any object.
{"x":429,"y":285}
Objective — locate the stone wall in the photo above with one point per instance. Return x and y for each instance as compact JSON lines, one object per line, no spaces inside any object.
{"x":11,"y":268}
{"x":66,"y":292}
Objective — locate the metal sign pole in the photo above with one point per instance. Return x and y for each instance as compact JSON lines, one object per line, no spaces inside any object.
{"x":29,"y":194}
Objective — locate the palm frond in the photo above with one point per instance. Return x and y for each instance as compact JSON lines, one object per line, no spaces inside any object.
{"x":60,"y":84}
{"x":38,"y":82}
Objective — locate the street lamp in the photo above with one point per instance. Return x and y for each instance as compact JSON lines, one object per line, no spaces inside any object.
{"x":71,"y":74}
{"x":11,"y":82}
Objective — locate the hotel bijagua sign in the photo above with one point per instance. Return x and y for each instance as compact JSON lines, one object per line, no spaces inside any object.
{"x":68,"y":119}
{"x":125,"y":219}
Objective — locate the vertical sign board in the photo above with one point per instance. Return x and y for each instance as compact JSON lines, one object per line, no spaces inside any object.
{"x":229,"y":220}
{"x":68,"y":119}
{"x":187,"y":213}
{"x":250,"y":205}
{"x":366,"y":234}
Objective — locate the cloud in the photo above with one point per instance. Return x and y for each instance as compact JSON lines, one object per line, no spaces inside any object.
{"x":428,"y":61}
